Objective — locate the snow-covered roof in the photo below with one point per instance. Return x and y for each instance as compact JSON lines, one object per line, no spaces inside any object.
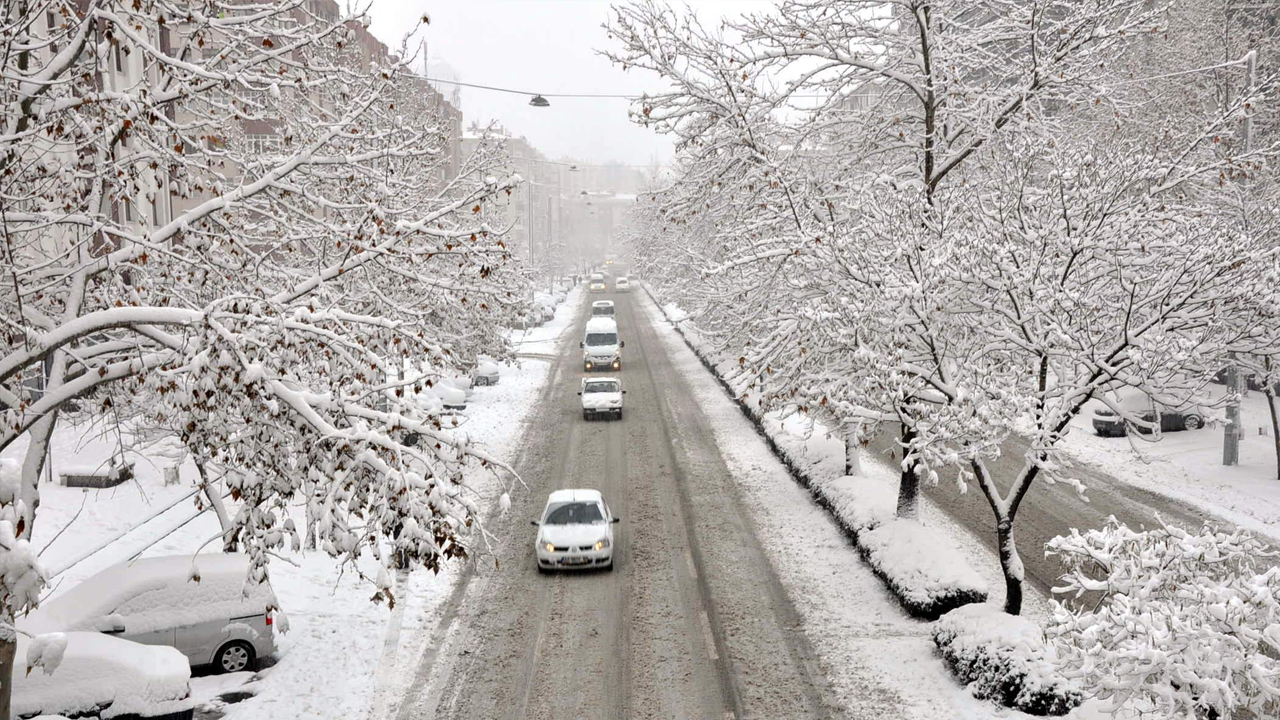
{"x":602,"y":303}
{"x":99,"y":670}
{"x":157,"y":593}
{"x":579,"y":495}
{"x":602,"y":325}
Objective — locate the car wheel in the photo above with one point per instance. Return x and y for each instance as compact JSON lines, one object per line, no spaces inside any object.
{"x":609,"y":567}
{"x":586,"y":415}
{"x":1193,"y":422}
{"x":234,"y":657}
{"x":541,"y":570}
{"x":619,"y":414}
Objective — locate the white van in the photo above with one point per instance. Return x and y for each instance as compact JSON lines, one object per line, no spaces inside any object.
{"x":601,"y":348}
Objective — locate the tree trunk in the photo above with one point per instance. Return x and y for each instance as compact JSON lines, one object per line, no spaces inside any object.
{"x":229,"y":544}
{"x":1269,"y":389}
{"x":909,"y":482}
{"x":8,"y":651}
{"x":32,"y":467}
{"x":309,"y":490}
{"x":852,"y":454}
{"x":1011,"y":564}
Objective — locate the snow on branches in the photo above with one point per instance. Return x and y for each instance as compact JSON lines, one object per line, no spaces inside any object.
{"x":1169,"y":623}
{"x":242,"y":225}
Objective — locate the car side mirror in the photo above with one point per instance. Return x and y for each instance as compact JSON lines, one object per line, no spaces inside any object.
{"x":110,"y":625}
{"x":582,"y":344}
{"x":535,"y":523}
{"x":624,"y":392}
{"x":622,"y":343}
{"x":617,"y":520}
{"x":579,"y":392}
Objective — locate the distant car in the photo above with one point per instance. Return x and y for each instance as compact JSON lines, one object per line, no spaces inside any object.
{"x":220,"y":621}
{"x":1134,"y":402}
{"x":622,"y":285}
{"x":451,"y":396}
{"x":597,"y":284}
{"x":602,"y":308}
{"x":104,"y":676}
{"x":601,"y":396}
{"x":486,"y":373}
{"x":576,"y":531}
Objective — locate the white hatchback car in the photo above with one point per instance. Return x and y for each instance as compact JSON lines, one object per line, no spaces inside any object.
{"x":622,"y":285}
{"x":576,"y":531}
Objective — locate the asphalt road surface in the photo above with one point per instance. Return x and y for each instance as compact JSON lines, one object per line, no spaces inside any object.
{"x":1050,"y":510}
{"x":692,"y":622}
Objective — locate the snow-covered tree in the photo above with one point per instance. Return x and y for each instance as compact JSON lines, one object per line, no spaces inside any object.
{"x":1168,"y":623}
{"x":234,"y":221}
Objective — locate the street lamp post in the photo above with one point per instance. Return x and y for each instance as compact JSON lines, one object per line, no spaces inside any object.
{"x":1231,"y":433}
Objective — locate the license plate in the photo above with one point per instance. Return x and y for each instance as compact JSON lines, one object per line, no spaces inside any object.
{"x":576,"y":561}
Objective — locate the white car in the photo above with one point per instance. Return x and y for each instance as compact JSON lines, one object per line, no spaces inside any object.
{"x":597,"y":284}
{"x":602,"y":308}
{"x":601,"y":347}
{"x":622,"y":285}
{"x":486,"y":374}
{"x":576,"y":531}
{"x":101,"y":675}
{"x":601,"y":396}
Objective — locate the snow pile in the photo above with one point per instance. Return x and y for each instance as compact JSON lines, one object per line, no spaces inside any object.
{"x":1003,"y":658}
{"x":1170,"y":622}
{"x":928,"y":575}
{"x":102,"y":672}
{"x":46,"y":652}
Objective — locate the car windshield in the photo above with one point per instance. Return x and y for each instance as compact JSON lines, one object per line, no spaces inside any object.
{"x":597,"y":387}
{"x":574,"y":513}
{"x":602,"y":338}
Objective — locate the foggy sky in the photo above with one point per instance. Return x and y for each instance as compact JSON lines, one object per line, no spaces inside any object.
{"x":541,"y":46}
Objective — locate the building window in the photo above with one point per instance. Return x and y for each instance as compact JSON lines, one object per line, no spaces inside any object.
{"x":262,"y":143}
{"x":51,"y":21}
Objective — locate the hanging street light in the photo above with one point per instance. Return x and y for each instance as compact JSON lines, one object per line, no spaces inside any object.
{"x":539,"y":101}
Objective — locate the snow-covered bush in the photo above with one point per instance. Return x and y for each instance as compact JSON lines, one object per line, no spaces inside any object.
{"x":1004,"y":658}
{"x":859,"y":503}
{"x":928,"y":574}
{"x":1168,"y":623}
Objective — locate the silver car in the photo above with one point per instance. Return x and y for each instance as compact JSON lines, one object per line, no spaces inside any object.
{"x":217,"y":619}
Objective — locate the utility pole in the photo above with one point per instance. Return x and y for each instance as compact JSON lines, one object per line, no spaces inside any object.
{"x":1231,"y":433}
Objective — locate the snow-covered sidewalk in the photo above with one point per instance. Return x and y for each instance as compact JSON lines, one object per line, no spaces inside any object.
{"x":342,"y":652}
{"x":881,"y":663}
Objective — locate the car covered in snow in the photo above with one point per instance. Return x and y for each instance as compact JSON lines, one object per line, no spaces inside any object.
{"x":486,"y":373}
{"x":601,"y":347}
{"x":602,"y":308}
{"x":95,"y":675}
{"x":576,"y":531}
{"x":204,"y":606}
{"x":601,"y":396}
{"x":621,"y":284}
{"x":1135,"y":403}
{"x":596,"y":283}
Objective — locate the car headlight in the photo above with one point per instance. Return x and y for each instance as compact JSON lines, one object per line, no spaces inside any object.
{"x":602,"y":543}
{"x":549,"y":547}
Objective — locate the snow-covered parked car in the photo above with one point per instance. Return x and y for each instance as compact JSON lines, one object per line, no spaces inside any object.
{"x":98,"y":675}
{"x":486,"y":373}
{"x":215,"y":619}
{"x":576,"y":531}
{"x":451,"y":396}
{"x":601,"y":396}
{"x":1138,"y":404}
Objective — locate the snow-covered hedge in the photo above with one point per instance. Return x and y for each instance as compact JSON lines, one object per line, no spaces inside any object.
{"x":922,"y":567}
{"x":1003,"y":658}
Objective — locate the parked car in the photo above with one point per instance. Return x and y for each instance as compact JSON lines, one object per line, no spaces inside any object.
{"x":601,"y":347}
{"x":621,"y":284}
{"x":221,"y":620}
{"x":486,"y":373}
{"x":602,"y":308}
{"x":104,"y":676}
{"x":1137,"y":403}
{"x":576,"y":531}
{"x":601,"y":396}
{"x":597,"y":284}
{"x":451,"y":396}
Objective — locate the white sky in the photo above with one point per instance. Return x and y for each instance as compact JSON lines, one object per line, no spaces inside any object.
{"x":542,"y":46}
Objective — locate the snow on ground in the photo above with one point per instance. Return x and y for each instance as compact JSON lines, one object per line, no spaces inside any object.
{"x":1188,"y":465}
{"x":881,"y":663}
{"x":342,"y":650}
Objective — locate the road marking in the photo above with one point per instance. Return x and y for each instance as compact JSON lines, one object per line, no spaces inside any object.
{"x":706,"y":635}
